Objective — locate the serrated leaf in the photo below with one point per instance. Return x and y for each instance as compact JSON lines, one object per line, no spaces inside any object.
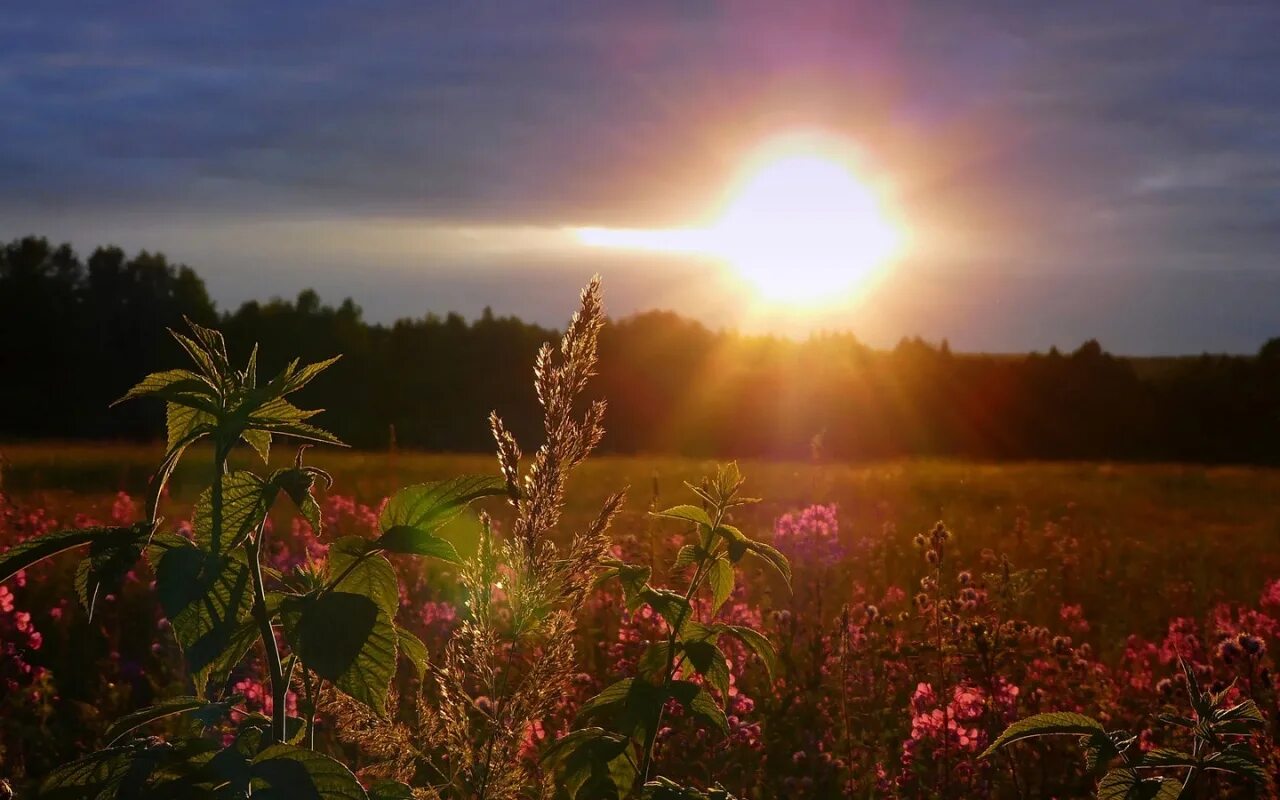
{"x":412,"y":648}
{"x":689,"y":554}
{"x":720,"y":579}
{"x":592,"y":764}
{"x":390,"y":790}
{"x":653,"y":662}
{"x":634,"y":578}
{"x":671,"y":606}
{"x":428,"y":506}
{"x":298,"y":483}
{"x":1238,"y":761}
{"x":347,"y":639}
{"x":169,"y":384}
{"x":710,"y":662}
{"x":97,"y":775}
{"x":687,"y":513}
{"x":757,"y":642}
{"x":47,"y":545}
{"x":773,"y":557}
{"x":405,"y":540}
{"x":260,"y":441}
{"x":161,"y":710}
{"x":246,"y":501}
{"x":354,"y":569}
{"x":1125,"y":784}
{"x":207,"y":598}
{"x":1050,"y":724}
{"x":183,"y":422}
{"x":699,"y":702}
{"x":110,"y":559}
{"x":286,"y":772}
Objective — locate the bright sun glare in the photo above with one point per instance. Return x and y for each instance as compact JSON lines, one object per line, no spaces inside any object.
{"x":800,"y":227}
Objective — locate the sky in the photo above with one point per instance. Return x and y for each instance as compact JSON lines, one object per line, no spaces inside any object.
{"x":1065,"y":171}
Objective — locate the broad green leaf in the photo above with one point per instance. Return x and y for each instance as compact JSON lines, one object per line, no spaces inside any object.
{"x":260,"y":441}
{"x":406,"y":540}
{"x":347,"y":639}
{"x":412,"y":648}
{"x":720,"y":579}
{"x":689,"y":554}
{"x":161,"y":710}
{"x":688,"y":513}
{"x":185,"y":424}
{"x":110,"y":559}
{"x":47,"y":545}
{"x":1238,"y":761}
{"x":1050,"y":724}
{"x":1126,"y":784}
{"x":673,"y":607}
{"x":246,"y":501}
{"x":757,"y":642}
{"x":97,"y":775}
{"x":285,"y":772}
{"x":1167,"y":757}
{"x":170,"y":384}
{"x":207,"y":598}
{"x":654,"y":661}
{"x":634,"y":579}
{"x":699,"y":702}
{"x":390,"y":790}
{"x":354,"y":569}
{"x":428,"y":506}
{"x":613,"y":695}
{"x":298,"y":483}
{"x":592,"y":764}
{"x":773,"y":557}
{"x":710,"y":662}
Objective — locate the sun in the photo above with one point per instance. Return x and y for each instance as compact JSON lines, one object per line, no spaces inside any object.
{"x":799,"y":226}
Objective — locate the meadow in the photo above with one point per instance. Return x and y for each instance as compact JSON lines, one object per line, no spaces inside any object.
{"x":1097,"y":578}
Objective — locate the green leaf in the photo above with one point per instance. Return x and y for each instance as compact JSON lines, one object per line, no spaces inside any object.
{"x":757,"y":642}
{"x":688,"y":513}
{"x":298,"y":482}
{"x":406,"y":540}
{"x":710,"y":662}
{"x":1168,"y":757}
{"x":613,"y":695}
{"x":654,"y":660}
{"x":185,"y":424}
{"x":347,"y":639}
{"x":356,"y":570}
{"x":110,"y":559}
{"x":1238,"y":761}
{"x":412,"y":648}
{"x":95,"y":776}
{"x":161,"y":710}
{"x":720,"y":579}
{"x":1126,"y":784}
{"x":390,"y":790}
{"x":47,"y":545}
{"x":428,"y":506}
{"x":207,"y":598}
{"x":699,"y":702}
{"x":246,"y":501}
{"x":773,"y":557}
{"x":1053,"y":723}
{"x":670,"y":605}
{"x":689,"y":554}
{"x":592,"y":764}
{"x":260,"y":441}
{"x":171,"y":384}
{"x":285,"y":772}
{"x":634,"y":579}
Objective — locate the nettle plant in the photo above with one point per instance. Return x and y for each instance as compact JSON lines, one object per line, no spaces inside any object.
{"x":327,"y":631}
{"x":615,"y":758}
{"x":321,"y":625}
{"x":1219,"y":733}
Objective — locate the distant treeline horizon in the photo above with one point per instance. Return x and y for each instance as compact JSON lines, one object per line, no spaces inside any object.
{"x":76,"y":333}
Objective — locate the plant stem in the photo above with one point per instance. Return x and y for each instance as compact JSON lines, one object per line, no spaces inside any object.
{"x":279,"y":680}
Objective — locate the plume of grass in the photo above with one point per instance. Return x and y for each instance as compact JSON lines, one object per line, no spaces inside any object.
{"x":502,"y":672}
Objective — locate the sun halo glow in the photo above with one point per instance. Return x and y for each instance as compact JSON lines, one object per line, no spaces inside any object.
{"x":801,"y":228}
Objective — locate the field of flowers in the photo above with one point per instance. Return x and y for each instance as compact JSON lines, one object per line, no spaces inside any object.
{"x":905,"y":644}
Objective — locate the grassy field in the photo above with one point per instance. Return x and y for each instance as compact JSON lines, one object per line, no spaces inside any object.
{"x":1203,"y":534}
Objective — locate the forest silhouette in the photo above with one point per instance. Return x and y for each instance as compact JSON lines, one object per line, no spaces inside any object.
{"x":76,"y":333}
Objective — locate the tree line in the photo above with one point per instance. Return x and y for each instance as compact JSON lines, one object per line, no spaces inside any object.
{"x":76,"y":333}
